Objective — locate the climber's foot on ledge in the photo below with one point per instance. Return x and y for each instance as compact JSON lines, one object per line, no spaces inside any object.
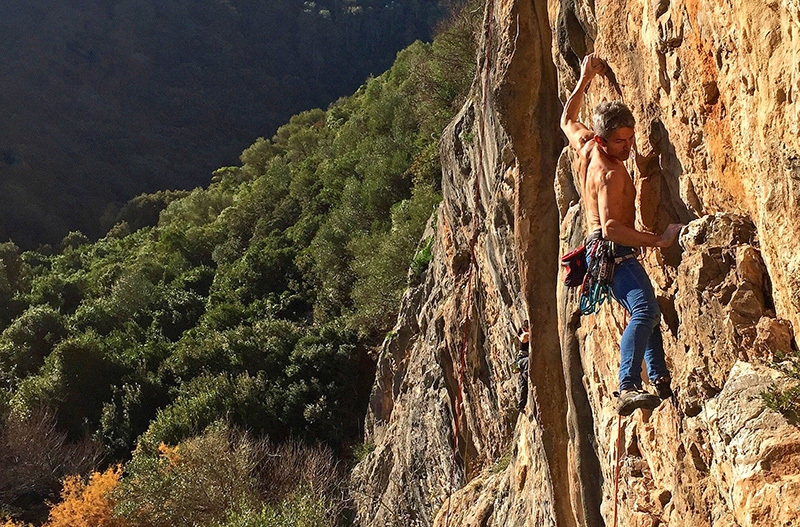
{"x":630,"y":400}
{"x":663,"y":388}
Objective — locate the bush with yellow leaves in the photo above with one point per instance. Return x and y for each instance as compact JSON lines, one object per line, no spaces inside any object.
{"x":87,"y":504}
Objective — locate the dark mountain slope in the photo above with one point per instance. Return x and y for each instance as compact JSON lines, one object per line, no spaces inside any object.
{"x":104,"y":100}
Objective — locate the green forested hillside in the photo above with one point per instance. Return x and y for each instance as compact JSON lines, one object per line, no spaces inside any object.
{"x":104,"y":100}
{"x":256,"y":301}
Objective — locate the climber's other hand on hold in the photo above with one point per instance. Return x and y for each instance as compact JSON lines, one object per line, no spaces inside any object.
{"x":670,"y":234}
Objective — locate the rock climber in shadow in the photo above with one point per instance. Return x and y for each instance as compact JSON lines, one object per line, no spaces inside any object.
{"x":521,"y":365}
{"x":609,"y":204}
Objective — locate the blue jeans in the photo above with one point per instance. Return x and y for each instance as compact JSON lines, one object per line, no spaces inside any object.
{"x":642,"y":336}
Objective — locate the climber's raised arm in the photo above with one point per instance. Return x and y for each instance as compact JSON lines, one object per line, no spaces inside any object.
{"x":577,"y":133}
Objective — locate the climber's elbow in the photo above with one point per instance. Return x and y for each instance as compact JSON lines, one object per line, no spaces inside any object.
{"x":611,"y":230}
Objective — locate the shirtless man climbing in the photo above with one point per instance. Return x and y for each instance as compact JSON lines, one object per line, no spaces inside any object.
{"x":609,"y":200}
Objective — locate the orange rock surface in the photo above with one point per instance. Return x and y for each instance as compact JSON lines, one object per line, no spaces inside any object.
{"x":713,"y":86}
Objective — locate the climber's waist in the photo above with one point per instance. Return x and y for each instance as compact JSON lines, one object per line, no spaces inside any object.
{"x":620,"y":252}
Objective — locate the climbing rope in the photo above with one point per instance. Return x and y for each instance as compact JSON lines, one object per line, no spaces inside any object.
{"x":462,"y":366}
{"x":616,"y":467}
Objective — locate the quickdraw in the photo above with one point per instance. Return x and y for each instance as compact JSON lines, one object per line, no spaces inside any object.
{"x":593,"y":296}
{"x":596,"y":287}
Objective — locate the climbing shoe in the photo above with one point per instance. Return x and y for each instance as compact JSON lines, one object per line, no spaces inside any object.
{"x":662,"y":387}
{"x":630,"y":400}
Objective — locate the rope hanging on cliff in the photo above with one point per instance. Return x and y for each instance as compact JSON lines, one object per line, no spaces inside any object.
{"x":616,"y":467}
{"x":462,"y":366}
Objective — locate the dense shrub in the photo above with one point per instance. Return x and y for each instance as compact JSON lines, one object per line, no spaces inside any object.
{"x":194,"y":483}
{"x":144,"y":209}
{"x":224,"y":477}
{"x":382,"y":261}
{"x":270,"y":378}
{"x":87,"y":504}
{"x":300,"y":509}
{"x":75,"y":380}
{"x":29,"y":339}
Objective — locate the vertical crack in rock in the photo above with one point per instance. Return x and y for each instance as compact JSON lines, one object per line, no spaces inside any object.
{"x":529,"y":111}
{"x":586,"y":471}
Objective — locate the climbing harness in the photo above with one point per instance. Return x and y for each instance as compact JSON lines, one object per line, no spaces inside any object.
{"x":462,"y":366}
{"x":602,"y":264}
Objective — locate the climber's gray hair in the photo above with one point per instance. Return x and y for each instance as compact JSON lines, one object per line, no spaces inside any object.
{"x":609,"y":116}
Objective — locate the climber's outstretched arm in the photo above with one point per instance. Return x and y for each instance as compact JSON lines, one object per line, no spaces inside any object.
{"x":577,"y":133}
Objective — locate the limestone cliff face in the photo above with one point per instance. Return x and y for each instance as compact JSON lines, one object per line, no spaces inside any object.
{"x":713,"y":86}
